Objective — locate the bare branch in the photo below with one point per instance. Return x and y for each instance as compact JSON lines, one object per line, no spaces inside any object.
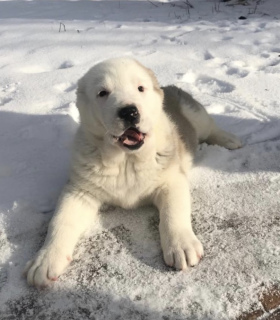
{"x":60,"y":26}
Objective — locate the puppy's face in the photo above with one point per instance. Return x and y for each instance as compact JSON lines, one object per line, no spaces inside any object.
{"x":125,"y":98}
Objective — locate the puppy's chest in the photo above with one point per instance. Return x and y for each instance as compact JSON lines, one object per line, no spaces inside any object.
{"x":127,"y":182}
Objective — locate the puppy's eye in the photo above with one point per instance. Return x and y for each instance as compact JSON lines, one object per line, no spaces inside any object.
{"x":103,"y":93}
{"x":141,"y":89}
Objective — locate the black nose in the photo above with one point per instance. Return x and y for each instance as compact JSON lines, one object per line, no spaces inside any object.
{"x":129,"y":114}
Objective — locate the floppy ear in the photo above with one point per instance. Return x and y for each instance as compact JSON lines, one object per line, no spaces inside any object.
{"x":83,"y":104}
{"x":155,"y":82}
{"x":154,"y":79}
{"x":82,"y":99}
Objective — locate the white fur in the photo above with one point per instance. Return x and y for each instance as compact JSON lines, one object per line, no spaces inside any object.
{"x":103,"y":171}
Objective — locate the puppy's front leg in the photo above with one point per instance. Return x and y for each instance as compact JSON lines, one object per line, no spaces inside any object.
{"x":180,"y":246}
{"x":73,"y":216}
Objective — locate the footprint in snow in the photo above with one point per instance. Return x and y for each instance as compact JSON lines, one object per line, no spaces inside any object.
{"x":66,"y":65}
{"x":265,"y":55}
{"x":239,"y":73}
{"x":269,"y":64}
{"x":208,"y":56}
{"x":172,"y":39}
{"x":262,"y":25}
{"x":214,"y":85}
{"x":227,"y":38}
{"x":72,"y":87}
{"x":10,"y":88}
{"x":4,"y":101}
{"x":7,"y":92}
{"x":274,"y":63}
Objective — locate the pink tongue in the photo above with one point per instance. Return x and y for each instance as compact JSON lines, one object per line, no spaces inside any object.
{"x":131,"y":137}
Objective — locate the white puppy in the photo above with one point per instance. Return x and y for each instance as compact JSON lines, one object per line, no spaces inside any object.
{"x":134,"y":146}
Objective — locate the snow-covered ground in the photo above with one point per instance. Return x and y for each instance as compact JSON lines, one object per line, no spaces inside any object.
{"x":232,"y":66}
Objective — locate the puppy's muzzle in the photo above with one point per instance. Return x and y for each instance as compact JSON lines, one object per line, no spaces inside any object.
{"x":129,"y":114}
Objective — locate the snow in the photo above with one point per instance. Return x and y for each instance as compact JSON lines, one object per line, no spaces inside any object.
{"x":232,"y":66}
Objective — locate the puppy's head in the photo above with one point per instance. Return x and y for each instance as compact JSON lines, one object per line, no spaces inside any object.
{"x":121,"y":99}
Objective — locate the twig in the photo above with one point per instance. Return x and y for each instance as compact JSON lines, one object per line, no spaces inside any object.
{"x":188,"y":4}
{"x":177,"y":17}
{"x":255,"y":8}
{"x":152,"y":3}
{"x":216,"y":7}
{"x":62,"y":24}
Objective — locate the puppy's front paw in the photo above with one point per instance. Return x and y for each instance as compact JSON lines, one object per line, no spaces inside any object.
{"x":181,"y":249}
{"x":48,"y":265}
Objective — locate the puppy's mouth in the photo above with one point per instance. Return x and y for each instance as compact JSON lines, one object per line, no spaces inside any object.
{"x":131,"y":139}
